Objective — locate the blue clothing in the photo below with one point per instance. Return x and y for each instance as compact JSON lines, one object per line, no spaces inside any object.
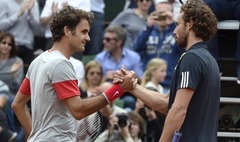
{"x":130,"y":59}
{"x":152,"y":43}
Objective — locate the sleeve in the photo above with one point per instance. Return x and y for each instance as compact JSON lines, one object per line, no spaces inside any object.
{"x":137,"y":66}
{"x":119,"y":20}
{"x":65,"y":81}
{"x":34,"y":17}
{"x":7,"y":21}
{"x":47,"y":9}
{"x":25,"y":87}
{"x":18,"y":78}
{"x":190,"y":71}
{"x":140,"y":42}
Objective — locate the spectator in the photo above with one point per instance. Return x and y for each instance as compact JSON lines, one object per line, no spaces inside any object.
{"x":153,"y":121}
{"x":79,"y":69}
{"x":92,"y":79}
{"x":6,"y":135}
{"x":154,"y":74}
{"x":115,"y":55}
{"x":97,"y":29}
{"x":123,"y":128}
{"x":157,"y":40}
{"x":133,"y":20}
{"x":11,"y":66}
{"x":21,"y":18}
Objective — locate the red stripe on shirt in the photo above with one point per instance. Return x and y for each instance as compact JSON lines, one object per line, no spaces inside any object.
{"x":66,"y":89}
{"x":25,"y":87}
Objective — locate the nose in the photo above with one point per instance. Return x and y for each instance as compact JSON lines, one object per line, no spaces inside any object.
{"x":87,"y":37}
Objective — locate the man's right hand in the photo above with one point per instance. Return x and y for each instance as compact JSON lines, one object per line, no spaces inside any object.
{"x":129,"y":81}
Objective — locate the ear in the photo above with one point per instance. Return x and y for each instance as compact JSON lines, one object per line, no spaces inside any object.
{"x":67,"y":31}
{"x":119,"y":42}
{"x":189,"y":26}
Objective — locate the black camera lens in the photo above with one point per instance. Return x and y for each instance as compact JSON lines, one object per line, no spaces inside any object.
{"x":122,"y":120}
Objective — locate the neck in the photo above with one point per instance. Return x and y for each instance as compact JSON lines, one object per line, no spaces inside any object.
{"x":154,"y":81}
{"x":4,"y":57}
{"x":117,"y":53}
{"x":141,"y":13}
{"x":192,"y":39}
{"x":62,"y":47}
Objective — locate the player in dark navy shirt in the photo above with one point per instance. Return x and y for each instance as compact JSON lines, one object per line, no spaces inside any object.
{"x":193,"y":103}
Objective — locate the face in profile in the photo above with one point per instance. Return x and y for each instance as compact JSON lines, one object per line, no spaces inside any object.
{"x":180,"y":32}
{"x":80,"y":36}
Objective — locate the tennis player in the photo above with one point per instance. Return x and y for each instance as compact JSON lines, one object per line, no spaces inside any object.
{"x":51,"y":84}
{"x":193,"y":104}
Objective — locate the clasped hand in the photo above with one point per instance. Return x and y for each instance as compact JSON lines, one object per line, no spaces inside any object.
{"x":126,"y":79}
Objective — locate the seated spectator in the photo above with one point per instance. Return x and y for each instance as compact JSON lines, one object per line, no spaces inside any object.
{"x":115,"y":55}
{"x":79,"y":69}
{"x":6,"y":135}
{"x":21,"y":18}
{"x":157,"y":40}
{"x":154,"y":74}
{"x":123,"y":128}
{"x":92,"y":79}
{"x":11,"y":66}
{"x":133,"y":20}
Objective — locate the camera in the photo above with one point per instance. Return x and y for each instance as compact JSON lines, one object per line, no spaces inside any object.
{"x":160,"y":16}
{"x":122,"y":120}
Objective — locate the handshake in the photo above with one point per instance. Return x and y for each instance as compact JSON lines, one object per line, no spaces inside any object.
{"x":123,"y":81}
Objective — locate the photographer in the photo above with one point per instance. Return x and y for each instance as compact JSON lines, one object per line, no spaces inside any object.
{"x":157,"y":40}
{"x":123,"y":128}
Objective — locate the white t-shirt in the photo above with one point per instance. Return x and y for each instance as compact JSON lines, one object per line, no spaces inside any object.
{"x":51,"y":78}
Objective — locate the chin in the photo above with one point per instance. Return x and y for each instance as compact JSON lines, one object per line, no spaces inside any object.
{"x":81,"y":49}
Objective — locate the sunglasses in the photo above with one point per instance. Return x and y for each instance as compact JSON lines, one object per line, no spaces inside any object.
{"x":109,"y":39}
{"x":4,"y":43}
{"x":144,"y":0}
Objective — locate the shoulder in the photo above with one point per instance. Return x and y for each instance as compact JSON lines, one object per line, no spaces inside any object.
{"x":101,"y":55}
{"x":130,"y":52}
{"x":127,"y":11}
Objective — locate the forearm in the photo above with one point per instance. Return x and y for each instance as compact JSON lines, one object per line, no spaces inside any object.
{"x":173,"y":123}
{"x":24,"y":118}
{"x":46,"y":20}
{"x":151,"y":98}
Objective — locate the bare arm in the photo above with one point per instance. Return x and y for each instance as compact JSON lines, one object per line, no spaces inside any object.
{"x":47,"y":19}
{"x":20,"y":108}
{"x":151,"y":98}
{"x":176,"y":114}
{"x":80,"y":108}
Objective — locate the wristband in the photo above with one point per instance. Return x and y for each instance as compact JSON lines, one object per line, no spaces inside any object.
{"x":112,"y":93}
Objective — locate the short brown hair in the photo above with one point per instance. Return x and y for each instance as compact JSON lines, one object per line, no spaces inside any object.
{"x":203,"y":19}
{"x":69,"y":17}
